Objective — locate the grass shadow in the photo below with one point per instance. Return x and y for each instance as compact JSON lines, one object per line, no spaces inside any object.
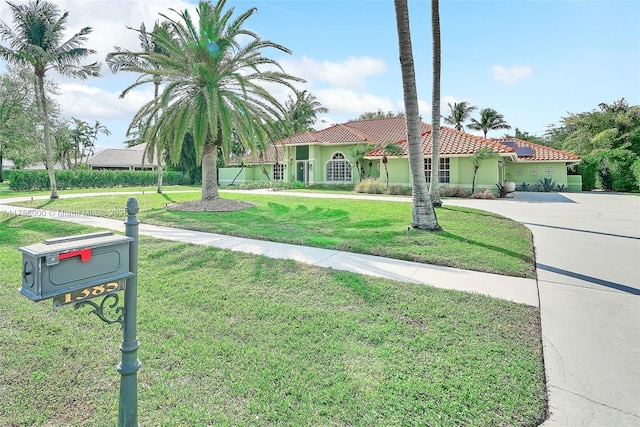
{"x":168,"y":198}
{"x":498,"y":249}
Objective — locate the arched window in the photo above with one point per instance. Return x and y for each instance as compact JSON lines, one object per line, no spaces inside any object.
{"x":338,"y":168}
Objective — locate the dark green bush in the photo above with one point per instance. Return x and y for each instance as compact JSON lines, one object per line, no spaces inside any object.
{"x":636,"y":171}
{"x":27,"y":180}
{"x":588,"y":168}
{"x":615,"y":172}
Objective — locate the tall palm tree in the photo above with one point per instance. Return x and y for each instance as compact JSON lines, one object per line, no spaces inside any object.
{"x":459,"y":113}
{"x":434,"y":186}
{"x":422,"y":211}
{"x":213,"y":69}
{"x":37,"y":40}
{"x":389,"y":149}
{"x":490,"y":119}
{"x":478,"y":157}
{"x":124,"y":60}
{"x":302,"y":112}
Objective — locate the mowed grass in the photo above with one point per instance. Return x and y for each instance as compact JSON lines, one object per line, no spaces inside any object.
{"x":234,"y":339}
{"x":472,"y":239}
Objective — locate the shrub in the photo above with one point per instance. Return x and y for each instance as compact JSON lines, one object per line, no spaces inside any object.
{"x":588,"y":168}
{"x":636,"y":171}
{"x":546,"y":185}
{"x":27,"y":180}
{"x":369,"y":186}
{"x":454,"y":192}
{"x":523,"y":187}
{"x":398,"y":190}
{"x":615,"y":171}
{"x":485,"y":194}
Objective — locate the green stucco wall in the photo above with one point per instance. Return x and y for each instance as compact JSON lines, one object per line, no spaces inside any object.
{"x":491,"y":172}
{"x":533,"y":172}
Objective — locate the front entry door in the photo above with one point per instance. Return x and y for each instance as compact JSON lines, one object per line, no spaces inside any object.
{"x":302,"y":171}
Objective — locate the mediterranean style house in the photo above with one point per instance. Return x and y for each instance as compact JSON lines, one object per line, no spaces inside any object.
{"x":328,"y":157}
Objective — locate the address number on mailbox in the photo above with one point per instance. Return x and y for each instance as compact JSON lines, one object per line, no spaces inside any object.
{"x":88,"y":293}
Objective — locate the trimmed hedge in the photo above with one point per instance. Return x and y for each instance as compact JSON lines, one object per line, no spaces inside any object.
{"x":28,"y":180}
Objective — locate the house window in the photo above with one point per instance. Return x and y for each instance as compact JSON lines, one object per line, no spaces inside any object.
{"x":338,"y":168}
{"x":278,"y":171}
{"x":444,"y":172}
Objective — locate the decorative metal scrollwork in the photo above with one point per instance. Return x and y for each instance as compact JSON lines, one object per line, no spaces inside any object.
{"x":105,"y":312}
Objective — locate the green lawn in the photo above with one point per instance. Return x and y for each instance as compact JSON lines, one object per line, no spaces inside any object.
{"x":234,"y":339}
{"x":473,"y":239}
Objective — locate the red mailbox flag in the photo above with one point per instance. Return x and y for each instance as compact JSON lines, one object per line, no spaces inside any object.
{"x":85,"y":254}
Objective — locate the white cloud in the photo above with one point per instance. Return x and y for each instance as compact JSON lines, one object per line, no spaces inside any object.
{"x":349,"y":104}
{"x":92,"y":103}
{"x":511,"y":75}
{"x":348,"y":74}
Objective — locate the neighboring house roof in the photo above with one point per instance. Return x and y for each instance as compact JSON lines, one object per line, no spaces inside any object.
{"x":122,"y":157}
{"x":393,"y":129}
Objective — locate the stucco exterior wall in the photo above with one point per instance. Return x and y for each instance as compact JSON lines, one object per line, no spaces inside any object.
{"x":533,"y":172}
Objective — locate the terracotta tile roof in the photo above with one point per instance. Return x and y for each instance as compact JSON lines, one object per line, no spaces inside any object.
{"x":538,"y":152}
{"x":452,"y":142}
{"x":393,"y":129}
{"x":269,"y":156}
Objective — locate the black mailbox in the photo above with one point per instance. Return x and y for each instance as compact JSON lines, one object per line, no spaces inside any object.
{"x":63,"y":266}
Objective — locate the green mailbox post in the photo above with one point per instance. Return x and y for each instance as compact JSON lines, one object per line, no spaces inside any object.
{"x":78,"y":269}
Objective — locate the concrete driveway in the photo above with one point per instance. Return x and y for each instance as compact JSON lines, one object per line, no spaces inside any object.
{"x":588,"y":262}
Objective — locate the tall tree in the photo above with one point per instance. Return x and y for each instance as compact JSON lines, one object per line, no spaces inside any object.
{"x":490,"y":119}
{"x":389,"y":149}
{"x":12,"y":103}
{"x":434,"y":186}
{"x":378,"y":115}
{"x":213,"y":69}
{"x":20,"y":136}
{"x":358,"y":152}
{"x":302,"y":112}
{"x":37,"y":40}
{"x":478,"y":157}
{"x":423,"y":213}
{"x":124,"y":60}
{"x":459,"y":113}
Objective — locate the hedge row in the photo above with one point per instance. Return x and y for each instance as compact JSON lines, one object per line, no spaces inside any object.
{"x":26,"y":180}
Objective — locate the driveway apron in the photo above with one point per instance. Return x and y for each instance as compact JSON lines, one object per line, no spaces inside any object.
{"x":588,"y":263}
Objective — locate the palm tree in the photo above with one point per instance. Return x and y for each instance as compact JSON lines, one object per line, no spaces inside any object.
{"x":358,"y":151}
{"x":423,"y":213}
{"x":479,"y":155}
{"x":36,"y":40}
{"x":212,"y":70}
{"x":301,"y":112}
{"x":389,"y":149}
{"x":490,"y":119}
{"x":434,"y":187}
{"x":459,"y":113}
{"x":123,"y":59}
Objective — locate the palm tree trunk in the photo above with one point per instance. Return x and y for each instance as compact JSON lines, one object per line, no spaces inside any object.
{"x":160,"y":171}
{"x":209,"y":172}
{"x":423,"y":214}
{"x":434,"y":189}
{"x":156,"y":90}
{"x":473,"y":183}
{"x":47,"y":137}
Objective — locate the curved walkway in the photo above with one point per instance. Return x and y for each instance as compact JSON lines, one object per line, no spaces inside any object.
{"x":588,"y":265}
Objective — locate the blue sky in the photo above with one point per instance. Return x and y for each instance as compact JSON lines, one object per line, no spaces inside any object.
{"x":532,"y":61}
